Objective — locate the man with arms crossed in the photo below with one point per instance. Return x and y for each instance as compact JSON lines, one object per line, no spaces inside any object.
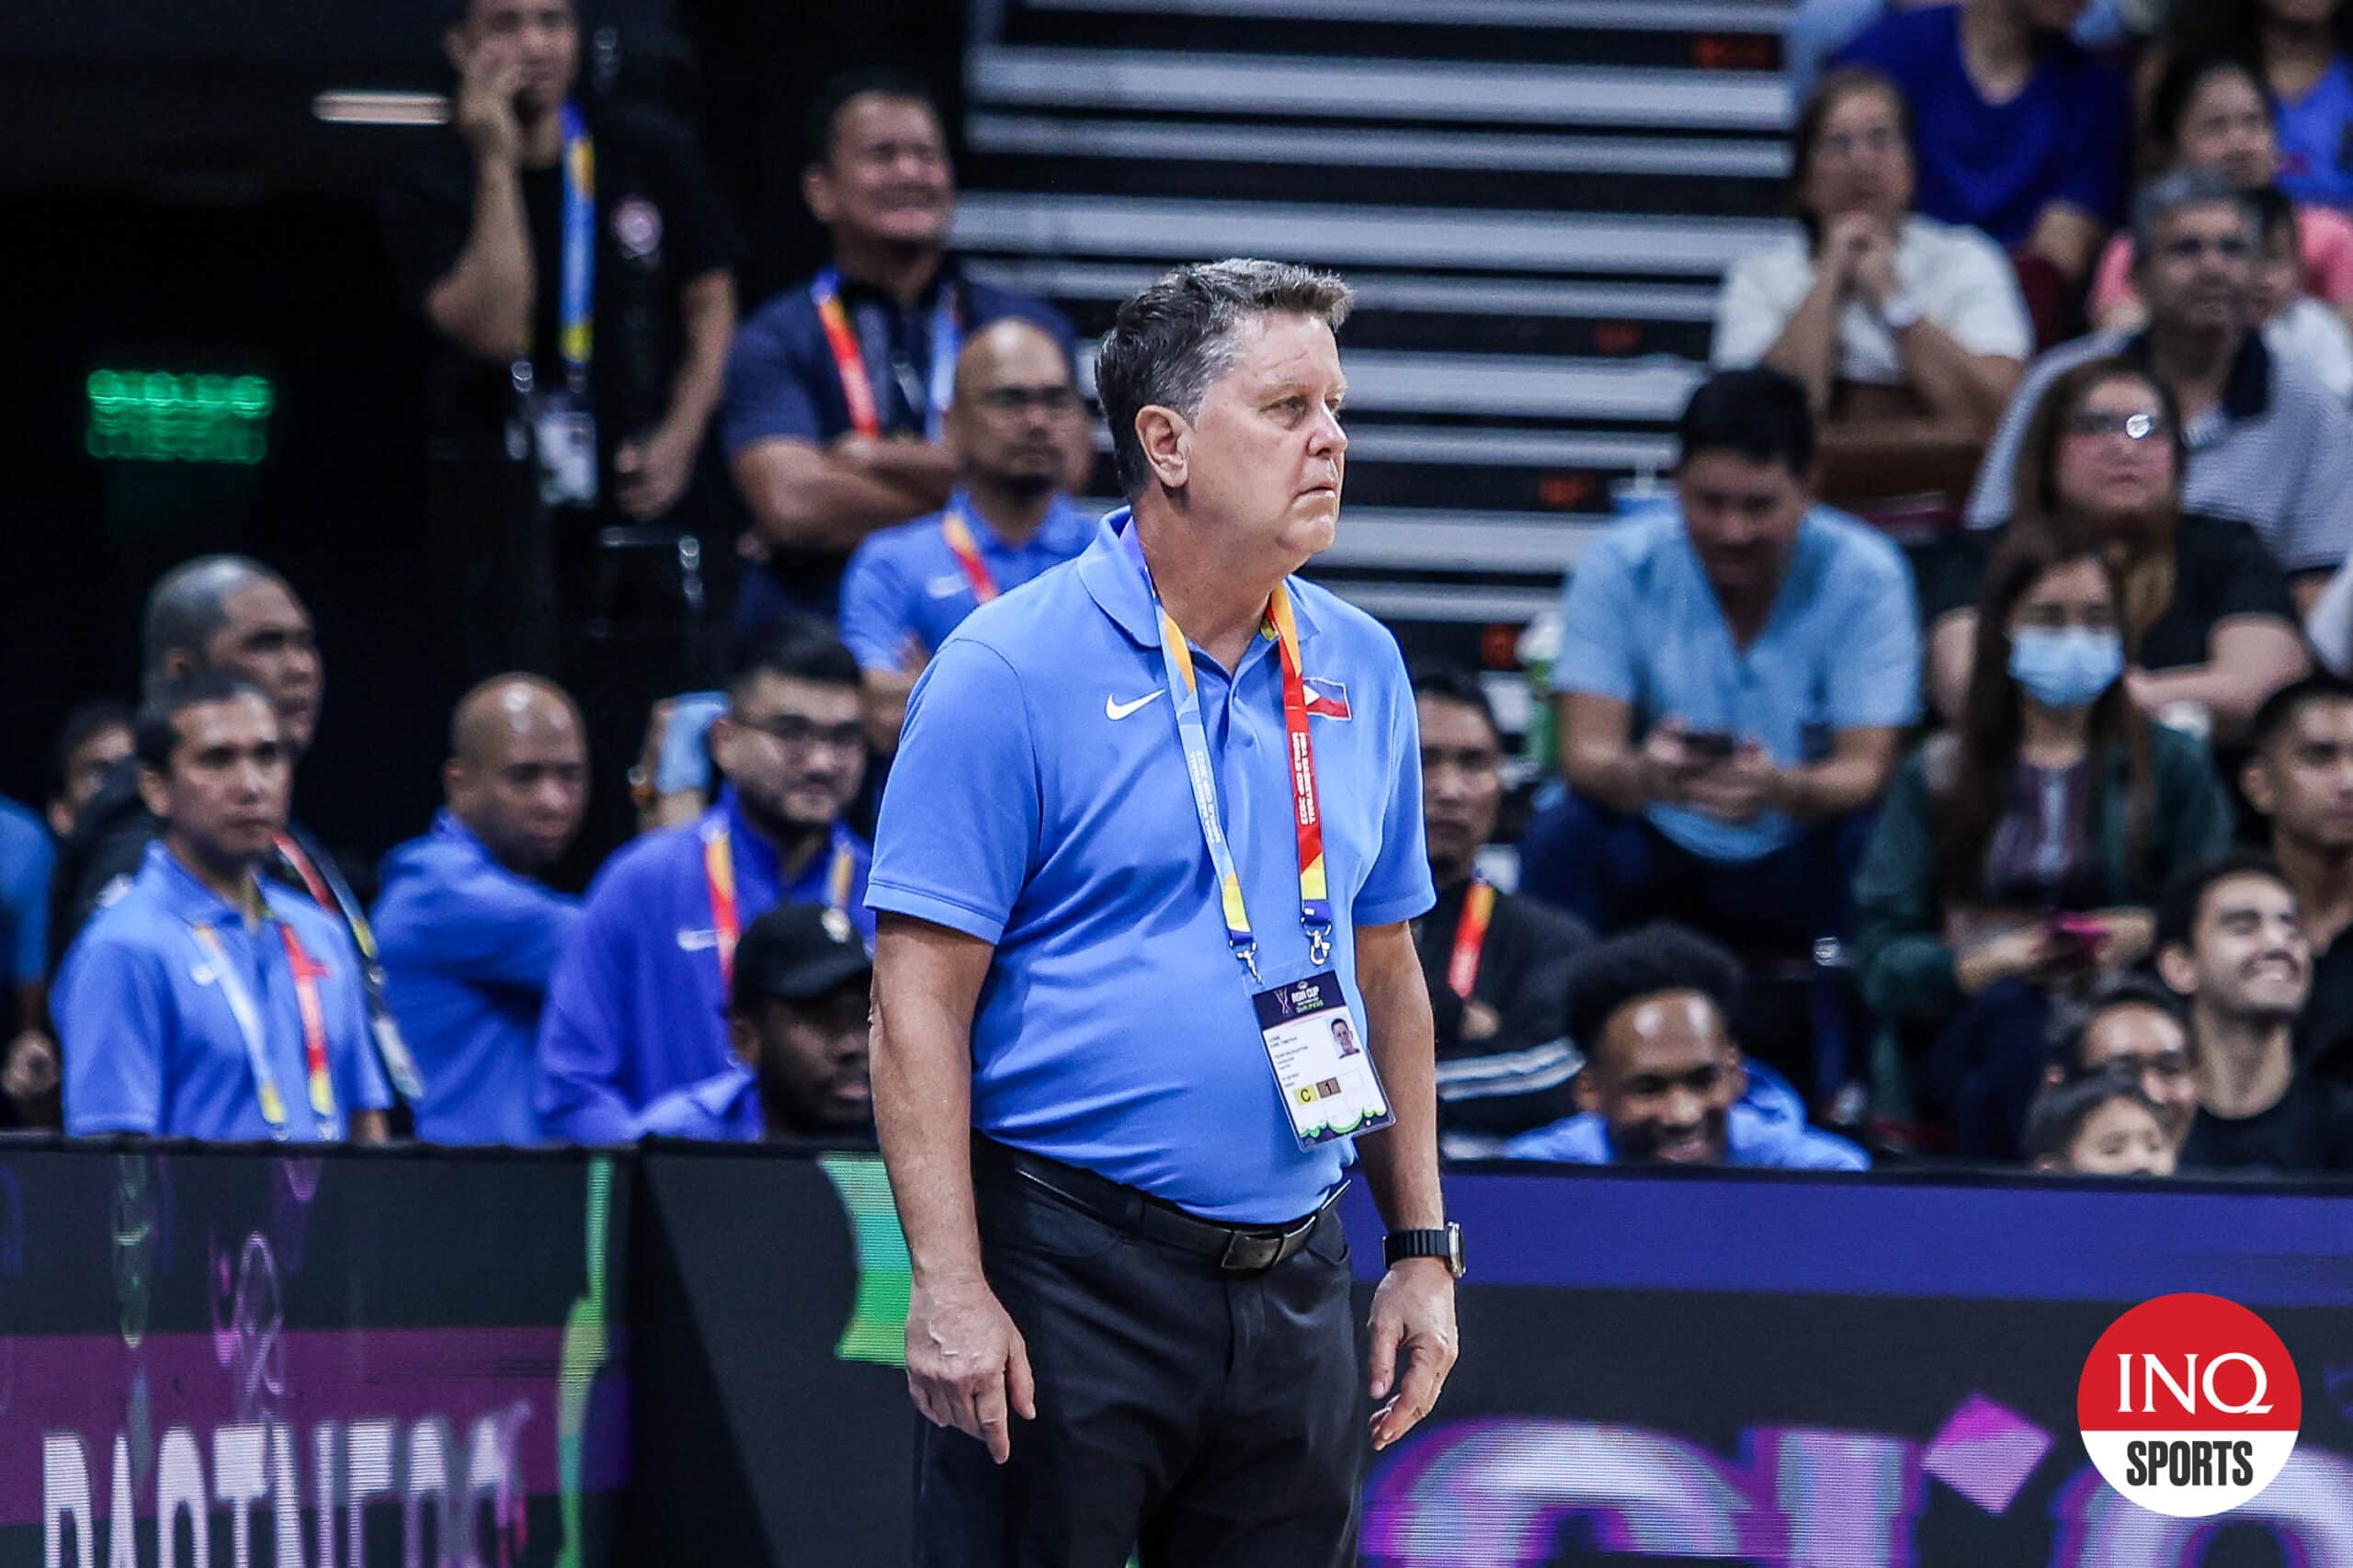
{"x":1110,"y":1093}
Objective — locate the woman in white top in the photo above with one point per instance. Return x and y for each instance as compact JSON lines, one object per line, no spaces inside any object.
{"x":1909,"y":335}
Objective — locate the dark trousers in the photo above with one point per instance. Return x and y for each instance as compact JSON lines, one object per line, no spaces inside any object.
{"x":1190,"y":1414}
{"x":1614,"y":871}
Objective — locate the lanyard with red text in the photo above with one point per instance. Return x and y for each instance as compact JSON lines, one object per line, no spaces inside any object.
{"x":1470,"y":938}
{"x":1314,"y":903}
{"x":967,"y":551}
{"x":849,"y":361}
{"x":719,"y":877}
{"x":307,"y":973}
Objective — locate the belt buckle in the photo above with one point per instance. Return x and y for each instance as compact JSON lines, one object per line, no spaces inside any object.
{"x":1246,"y":1254}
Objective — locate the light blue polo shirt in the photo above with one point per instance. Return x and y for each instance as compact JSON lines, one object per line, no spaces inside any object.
{"x":1040,"y":802}
{"x":1841,"y":651}
{"x":905,"y":583}
{"x":150,"y":1041}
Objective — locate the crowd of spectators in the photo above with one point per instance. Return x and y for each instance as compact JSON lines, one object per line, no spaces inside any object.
{"x":2060,"y":792}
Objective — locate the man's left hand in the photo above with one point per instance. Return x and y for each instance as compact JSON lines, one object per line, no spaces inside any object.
{"x":1740,"y":789}
{"x":1412,"y":1321}
{"x":652,"y":473}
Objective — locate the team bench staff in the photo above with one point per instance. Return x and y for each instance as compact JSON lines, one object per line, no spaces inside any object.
{"x":1144,"y":872}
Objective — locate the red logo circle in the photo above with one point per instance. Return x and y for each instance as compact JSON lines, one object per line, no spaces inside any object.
{"x":2189,"y":1405}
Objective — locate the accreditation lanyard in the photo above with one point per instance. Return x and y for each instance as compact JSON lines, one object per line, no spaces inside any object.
{"x":1470,"y":938}
{"x":575,"y":332}
{"x":306,"y":972}
{"x":849,"y":362}
{"x":966,"y":549}
{"x":331,"y":893}
{"x":719,"y":878}
{"x":1314,"y":900}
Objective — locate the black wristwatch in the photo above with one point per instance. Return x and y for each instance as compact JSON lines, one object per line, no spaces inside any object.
{"x":1446,"y":1244}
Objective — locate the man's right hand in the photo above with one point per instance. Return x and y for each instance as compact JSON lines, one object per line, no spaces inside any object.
{"x":484,"y":112}
{"x":1667,"y":768}
{"x":967,"y":1365}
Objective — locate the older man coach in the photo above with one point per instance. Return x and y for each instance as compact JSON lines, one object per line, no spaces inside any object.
{"x":1129,"y":876}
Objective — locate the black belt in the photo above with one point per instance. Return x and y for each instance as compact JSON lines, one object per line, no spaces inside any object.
{"x":1238,"y":1249}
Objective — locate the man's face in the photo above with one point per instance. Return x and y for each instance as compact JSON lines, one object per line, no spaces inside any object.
{"x":1462,"y":783}
{"x":86,"y":766}
{"x":2199,"y":276}
{"x":2303,"y":778}
{"x":226,"y":790}
{"x":526,"y":794}
{"x":812,"y":1058}
{"x":1743,"y":518}
{"x":2250,"y":961}
{"x":542,"y":36}
{"x":2122,"y":1138}
{"x":1014,"y":406}
{"x":2155,"y":1047}
{"x":795,"y":750}
{"x":1663,"y":1075}
{"x":268,"y":640}
{"x":1265,"y":456}
{"x":887,"y":178}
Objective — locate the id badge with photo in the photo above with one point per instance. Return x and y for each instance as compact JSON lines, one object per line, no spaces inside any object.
{"x":1322,"y":1067}
{"x":565,"y":433}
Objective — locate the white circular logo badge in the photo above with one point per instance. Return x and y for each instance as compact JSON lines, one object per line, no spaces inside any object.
{"x":2189,"y":1405}
{"x":637,"y":227}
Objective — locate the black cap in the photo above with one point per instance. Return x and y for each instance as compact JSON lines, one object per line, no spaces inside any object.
{"x":798,"y":952}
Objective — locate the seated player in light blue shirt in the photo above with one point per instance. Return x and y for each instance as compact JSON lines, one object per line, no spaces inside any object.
{"x":797,"y":1016}
{"x":467,"y":934}
{"x":1013,"y":419}
{"x":637,"y":1005}
{"x":203,"y":1002}
{"x":1663,"y":1081}
{"x":1736,"y":671}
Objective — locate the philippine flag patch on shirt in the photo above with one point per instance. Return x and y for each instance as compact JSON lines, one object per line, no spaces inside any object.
{"x":1325,"y":698}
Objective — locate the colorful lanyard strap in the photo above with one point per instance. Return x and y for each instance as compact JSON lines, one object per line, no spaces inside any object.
{"x":849,"y":361}
{"x":966,"y":549}
{"x":307,"y":972}
{"x":1314,"y":900}
{"x":1470,"y":938}
{"x":718,"y":880}
{"x":575,"y":334}
{"x":331,"y":893}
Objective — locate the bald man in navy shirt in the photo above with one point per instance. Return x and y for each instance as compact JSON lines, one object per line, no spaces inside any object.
{"x":1144,"y":870}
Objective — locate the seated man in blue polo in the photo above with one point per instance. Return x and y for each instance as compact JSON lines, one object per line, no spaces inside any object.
{"x":908,"y":587}
{"x":1736,"y":670}
{"x":637,"y":1005}
{"x":468,"y":933}
{"x":1663,"y":1081}
{"x":204,"y":1001}
{"x":837,"y":389}
{"x":796,"y":1018}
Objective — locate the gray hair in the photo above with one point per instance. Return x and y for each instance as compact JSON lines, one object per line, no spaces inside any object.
{"x":2172,"y":192}
{"x":189,"y":605}
{"x":1171,"y":343}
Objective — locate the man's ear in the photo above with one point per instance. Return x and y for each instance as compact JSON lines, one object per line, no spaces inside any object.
{"x":1588,"y":1091}
{"x":2177,"y":968}
{"x":457,"y":49}
{"x":1166,"y":438}
{"x":2254,"y":783}
{"x":178,"y":663}
{"x":1736,"y":1071}
{"x":743,"y":1038}
{"x":154,"y":793}
{"x":817,"y":190}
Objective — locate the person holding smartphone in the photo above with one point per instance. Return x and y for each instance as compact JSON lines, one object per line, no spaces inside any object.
{"x":1736,"y":669}
{"x":2017,"y":858}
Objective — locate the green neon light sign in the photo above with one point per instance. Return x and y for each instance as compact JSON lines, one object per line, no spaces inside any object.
{"x":166,"y":416}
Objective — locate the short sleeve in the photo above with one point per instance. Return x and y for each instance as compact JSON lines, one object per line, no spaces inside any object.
{"x":876,"y":599}
{"x":766,"y":395}
{"x":1597,"y":621}
{"x":961,"y":815}
{"x":1875,"y":678}
{"x":1398,"y":885}
{"x":2112,"y":280}
{"x":1748,"y":321}
{"x":2246,"y":580}
{"x":2316,"y":530}
{"x":1982,"y":307}
{"x":114,"y":1016}
{"x":426,"y":215}
{"x":703,"y":231}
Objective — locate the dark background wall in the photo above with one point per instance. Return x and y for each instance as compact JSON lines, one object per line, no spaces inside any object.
{"x":167,"y":202}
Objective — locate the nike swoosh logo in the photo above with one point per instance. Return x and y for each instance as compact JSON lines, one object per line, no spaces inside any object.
{"x":1114,"y":709}
{"x":697,"y":941}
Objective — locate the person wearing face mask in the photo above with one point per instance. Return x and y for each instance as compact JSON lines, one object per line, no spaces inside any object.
{"x":2017,"y":856}
{"x":2207,"y":611}
{"x":2231,"y":939}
